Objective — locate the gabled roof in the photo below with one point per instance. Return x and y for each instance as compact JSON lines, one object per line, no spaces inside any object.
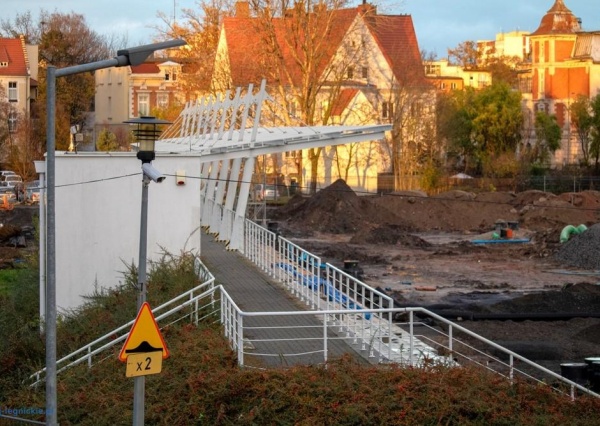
{"x":145,"y":68}
{"x":12,"y":52}
{"x":250,"y":62}
{"x":243,"y":41}
{"x":558,"y":20}
{"x":396,"y":37}
{"x":342,"y":102}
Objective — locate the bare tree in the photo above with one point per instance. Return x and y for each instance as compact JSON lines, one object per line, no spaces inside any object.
{"x":200,"y":29}
{"x":297,"y":44}
{"x":409,"y":105}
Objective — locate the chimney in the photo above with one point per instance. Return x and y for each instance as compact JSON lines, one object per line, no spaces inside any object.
{"x":242,"y":9}
{"x":367,"y":9}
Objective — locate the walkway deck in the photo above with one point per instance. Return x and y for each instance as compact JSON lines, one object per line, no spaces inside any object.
{"x":254,"y":291}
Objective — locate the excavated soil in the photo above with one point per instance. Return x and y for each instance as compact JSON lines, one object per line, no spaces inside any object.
{"x":421,"y":250}
{"x":17,"y":234}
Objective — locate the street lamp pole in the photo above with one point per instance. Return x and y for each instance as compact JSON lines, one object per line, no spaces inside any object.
{"x":125,"y":57}
{"x":146,"y":133}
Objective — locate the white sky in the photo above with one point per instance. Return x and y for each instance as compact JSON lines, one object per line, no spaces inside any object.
{"x":439,"y":24}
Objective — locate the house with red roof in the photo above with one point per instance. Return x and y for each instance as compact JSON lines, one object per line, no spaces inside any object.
{"x":351,"y":68}
{"x":18,"y":79}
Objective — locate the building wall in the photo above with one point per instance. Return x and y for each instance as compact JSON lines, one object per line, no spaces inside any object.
{"x":470,"y":78}
{"x":112,"y":98}
{"x":563,"y":49}
{"x":98,"y":205}
{"x":594,"y":72}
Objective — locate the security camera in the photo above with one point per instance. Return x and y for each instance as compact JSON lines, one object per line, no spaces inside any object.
{"x":152,"y":173}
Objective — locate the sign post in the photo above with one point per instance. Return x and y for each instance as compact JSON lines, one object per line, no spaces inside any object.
{"x":145,"y":348}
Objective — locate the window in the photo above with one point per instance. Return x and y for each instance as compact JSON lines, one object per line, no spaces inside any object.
{"x":12,"y":121}
{"x":143,"y":104}
{"x":453,"y":86}
{"x":432,"y":69}
{"x":387,"y":110}
{"x":442,"y":85}
{"x":416,"y":109}
{"x":12,"y":91}
{"x":171,"y":75}
{"x":541,"y":107}
{"x":350,"y":72}
{"x":365,"y":72}
{"x":292,"y":109}
{"x":162,"y":100}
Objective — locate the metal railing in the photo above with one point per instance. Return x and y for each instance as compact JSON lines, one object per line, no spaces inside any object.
{"x":191,"y":298}
{"x":402,"y":343}
{"x":362,"y":319}
{"x":322,"y":286}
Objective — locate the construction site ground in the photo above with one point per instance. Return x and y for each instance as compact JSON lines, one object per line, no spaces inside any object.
{"x":421,"y":250}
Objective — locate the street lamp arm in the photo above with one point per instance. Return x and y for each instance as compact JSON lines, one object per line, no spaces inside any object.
{"x":137,"y":55}
{"x":130,"y":56}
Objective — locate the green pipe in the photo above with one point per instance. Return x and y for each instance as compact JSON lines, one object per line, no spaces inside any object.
{"x":566,"y":233}
{"x":569,"y":230}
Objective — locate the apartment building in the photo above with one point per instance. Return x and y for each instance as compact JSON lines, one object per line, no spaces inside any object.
{"x":133,"y":91}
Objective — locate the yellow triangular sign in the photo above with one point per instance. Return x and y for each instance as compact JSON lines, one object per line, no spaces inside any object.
{"x":144,"y":336}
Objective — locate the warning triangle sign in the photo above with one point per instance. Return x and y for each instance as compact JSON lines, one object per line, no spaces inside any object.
{"x":144,"y":336}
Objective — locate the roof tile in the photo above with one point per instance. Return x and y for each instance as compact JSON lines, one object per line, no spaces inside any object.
{"x":12,"y":51}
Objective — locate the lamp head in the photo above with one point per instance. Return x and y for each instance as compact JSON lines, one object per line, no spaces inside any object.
{"x":146,"y":133}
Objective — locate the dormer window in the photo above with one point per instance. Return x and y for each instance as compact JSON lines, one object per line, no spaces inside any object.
{"x":3,"y":64}
{"x":171,"y":75}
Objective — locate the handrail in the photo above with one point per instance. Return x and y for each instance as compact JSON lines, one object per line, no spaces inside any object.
{"x":298,"y":270}
{"x":513,"y":355}
{"x":352,"y":324}
{"x":200,"y":270}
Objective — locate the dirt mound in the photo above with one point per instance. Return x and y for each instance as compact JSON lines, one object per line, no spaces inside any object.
{"x":337,"y":210}
{"x":449,"y":211}
{"x":582,"y":200}
{"x":388,"y":234}
{"x":531,"y":197}
{"x":16,"y":234}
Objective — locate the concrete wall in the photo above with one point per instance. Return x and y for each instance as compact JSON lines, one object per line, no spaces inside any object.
{"x":98,"y":210}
